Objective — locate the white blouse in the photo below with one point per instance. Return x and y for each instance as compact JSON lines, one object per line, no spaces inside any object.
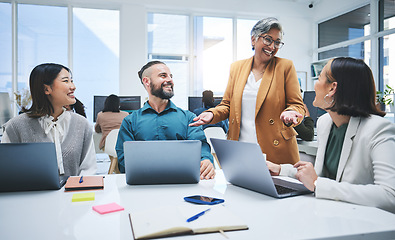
{"x":248,"y":105}
{"x":56,"y":130}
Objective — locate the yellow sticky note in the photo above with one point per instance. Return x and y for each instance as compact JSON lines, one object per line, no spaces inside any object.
{"x":80,"y":197}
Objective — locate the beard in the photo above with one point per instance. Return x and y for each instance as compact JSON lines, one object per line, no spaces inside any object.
{"x":160,"y":93}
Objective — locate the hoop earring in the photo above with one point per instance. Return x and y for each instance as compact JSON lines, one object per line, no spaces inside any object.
{"x":329,"y":103}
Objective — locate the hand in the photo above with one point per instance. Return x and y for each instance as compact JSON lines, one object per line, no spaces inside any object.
{"x":306,"y":174}
{"x":273,"y":168}
{"x":203,"y":118}
{"x":290,"y":117}
{"x":206,"y":170}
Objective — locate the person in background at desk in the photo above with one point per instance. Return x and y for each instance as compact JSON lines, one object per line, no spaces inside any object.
{"x":109,"y":118}
{"x":52,"y":87}
{"x":262,"y":99}
{"x":208,"y":102}
{"x":356,"y":146}
{"x":160,"y":119}
{"x":305,"y":129}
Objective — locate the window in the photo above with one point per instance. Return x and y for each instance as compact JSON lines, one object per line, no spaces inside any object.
{"x":168,"y":38}
{"x":5,"y":48}
{"x":389,"y":60}
{"x":214,"y":55}
{"x":42,"y":38}
{"x":345,"y":30}
{"x":389,"y":13}
{"x":345,"y":27}
{"x":95,"y":54}
{"x":244,"y":48}
{"x":359,"y":50}
{"x":215,"y":47}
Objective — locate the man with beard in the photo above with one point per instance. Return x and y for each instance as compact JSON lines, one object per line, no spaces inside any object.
{"x":161,"y":119}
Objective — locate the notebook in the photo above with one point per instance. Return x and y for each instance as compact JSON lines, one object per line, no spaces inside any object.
{"x":162,"y":162}
{"x":244,"y":165}
{"x":80,"y":183}
{"x":171,"y":221}
{"x":28,"y":167}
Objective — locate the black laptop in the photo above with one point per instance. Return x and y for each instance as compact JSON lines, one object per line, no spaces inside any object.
{"x":29,"y":167}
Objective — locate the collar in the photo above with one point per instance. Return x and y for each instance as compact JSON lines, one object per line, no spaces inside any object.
{"x":49,"y":123}
{"x":170,"y":106}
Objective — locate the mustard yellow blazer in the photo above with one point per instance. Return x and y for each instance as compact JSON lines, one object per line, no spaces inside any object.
{"x":279,"y":91}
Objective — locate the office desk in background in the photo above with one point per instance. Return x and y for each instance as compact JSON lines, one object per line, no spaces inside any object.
{"x":52,"y":215}
{"x":308,"y":147}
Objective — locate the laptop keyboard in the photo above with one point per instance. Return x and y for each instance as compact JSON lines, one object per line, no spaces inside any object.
{"x":283,"y":190}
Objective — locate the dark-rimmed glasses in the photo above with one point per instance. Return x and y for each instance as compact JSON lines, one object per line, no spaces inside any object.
{"x":267,"y":40}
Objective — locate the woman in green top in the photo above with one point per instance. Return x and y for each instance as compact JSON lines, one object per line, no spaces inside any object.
{"x":356,"y":146}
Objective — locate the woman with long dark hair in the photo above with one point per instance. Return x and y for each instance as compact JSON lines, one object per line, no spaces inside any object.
{"x":52,"y":87}
{"x":356,"y":146}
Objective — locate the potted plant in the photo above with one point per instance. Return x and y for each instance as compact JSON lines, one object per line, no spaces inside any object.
{"x":386,"y":98}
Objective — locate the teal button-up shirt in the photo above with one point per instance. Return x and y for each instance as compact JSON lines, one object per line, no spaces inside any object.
{"x":172,"y":123}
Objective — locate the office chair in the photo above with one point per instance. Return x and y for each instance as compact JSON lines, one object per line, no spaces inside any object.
{"x":214,"y":132}
{"x":109,"y":148}
{"x":96,"y":142}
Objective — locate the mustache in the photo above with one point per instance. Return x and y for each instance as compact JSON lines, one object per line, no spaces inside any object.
{"x":167,"y":84}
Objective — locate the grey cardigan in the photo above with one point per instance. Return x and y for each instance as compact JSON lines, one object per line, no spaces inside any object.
{"x":75,"y":144}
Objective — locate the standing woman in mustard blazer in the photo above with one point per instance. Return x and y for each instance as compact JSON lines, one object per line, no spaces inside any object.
{"x":262,"y":99}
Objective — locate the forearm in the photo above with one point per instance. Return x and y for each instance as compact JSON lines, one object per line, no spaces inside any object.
{"x":368,"y":195}
{"x":305,"y":130}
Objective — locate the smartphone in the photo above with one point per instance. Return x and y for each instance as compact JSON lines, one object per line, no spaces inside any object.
{"x":198,"y":199}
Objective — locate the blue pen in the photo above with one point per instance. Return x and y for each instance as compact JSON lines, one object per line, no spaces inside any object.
{"x":194,"y":217}
{"x":81,"y":180}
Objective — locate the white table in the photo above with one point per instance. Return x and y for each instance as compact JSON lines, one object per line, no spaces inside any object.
{"x":52,"y":215}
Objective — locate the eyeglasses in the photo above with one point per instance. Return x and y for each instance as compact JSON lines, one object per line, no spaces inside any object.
{"x":267,"y":40}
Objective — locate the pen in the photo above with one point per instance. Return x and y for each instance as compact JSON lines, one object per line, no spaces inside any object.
{"x":194,"y":217}
{"x":81,"y":180}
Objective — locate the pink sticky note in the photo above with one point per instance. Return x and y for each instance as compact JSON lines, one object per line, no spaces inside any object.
{"x":107,"y":208}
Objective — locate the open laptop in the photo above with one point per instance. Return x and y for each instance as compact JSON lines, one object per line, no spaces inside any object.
{"x":162,"y":162}
{"x":28,"y":167}
{"x":244,"y":165}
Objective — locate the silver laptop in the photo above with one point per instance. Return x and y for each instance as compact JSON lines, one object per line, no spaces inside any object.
{"x":28,"y":167}
{"x":244,"y":165}
{"x":162,"y":162}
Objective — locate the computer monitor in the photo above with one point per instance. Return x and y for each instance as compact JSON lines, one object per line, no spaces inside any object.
{"x":127,"y":104}
{"x":315,"y":112}
{"x":5,"y":109}
{"x":196,"y":102}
